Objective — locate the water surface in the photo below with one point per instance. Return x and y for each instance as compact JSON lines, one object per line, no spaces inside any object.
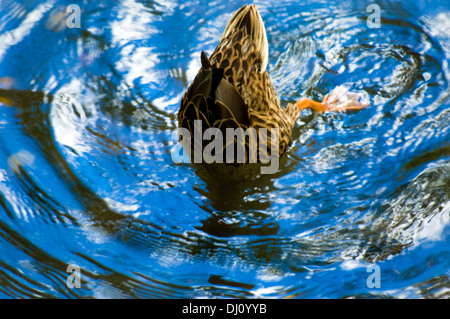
{"x":87,"y":178}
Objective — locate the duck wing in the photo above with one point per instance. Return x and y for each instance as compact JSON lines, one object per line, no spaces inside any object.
{"x":213,"y":100}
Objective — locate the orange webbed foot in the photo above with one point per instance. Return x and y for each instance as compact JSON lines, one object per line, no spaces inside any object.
{"x":340,"y":99}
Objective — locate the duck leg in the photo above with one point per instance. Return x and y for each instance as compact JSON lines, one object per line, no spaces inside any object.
{"x":340,"y":99}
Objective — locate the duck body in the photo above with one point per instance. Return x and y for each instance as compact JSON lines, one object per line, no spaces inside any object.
{"x":233,"y":90}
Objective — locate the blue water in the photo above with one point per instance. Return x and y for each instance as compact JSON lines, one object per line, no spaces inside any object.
{"x":87,"y":177}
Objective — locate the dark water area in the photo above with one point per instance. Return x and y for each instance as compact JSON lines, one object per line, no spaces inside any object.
{"x":87,"y":119}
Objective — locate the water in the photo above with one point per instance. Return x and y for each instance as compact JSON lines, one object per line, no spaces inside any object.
{"x":87,"y":177}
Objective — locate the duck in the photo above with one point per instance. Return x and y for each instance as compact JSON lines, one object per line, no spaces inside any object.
{"x":233,"y":90}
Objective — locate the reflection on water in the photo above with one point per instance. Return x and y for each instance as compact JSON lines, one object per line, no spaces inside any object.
{"x":87,"y":178}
